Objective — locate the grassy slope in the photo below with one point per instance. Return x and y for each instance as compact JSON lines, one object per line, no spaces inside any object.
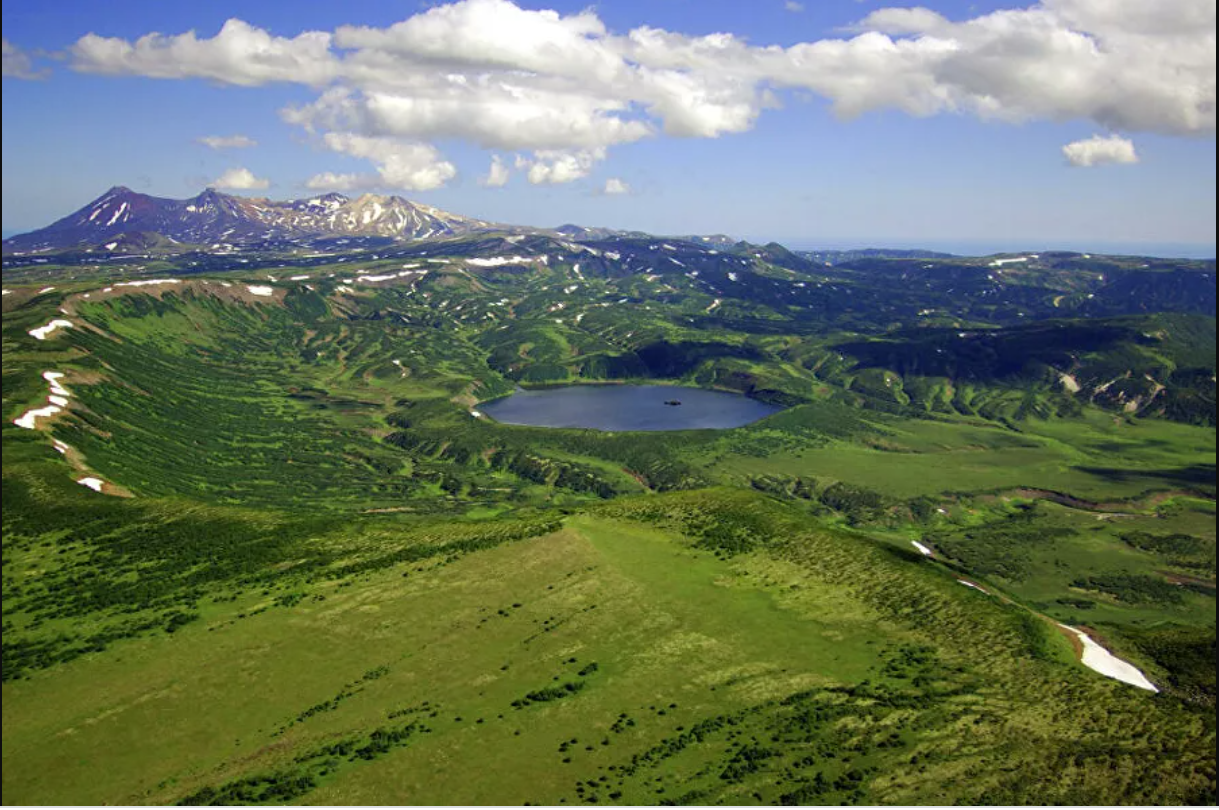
{"x":190,"y":628}
{"x":810,"y":615}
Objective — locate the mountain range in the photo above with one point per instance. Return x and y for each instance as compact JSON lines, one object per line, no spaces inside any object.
{"x":124,"y":219}
{"x":214,"y":219}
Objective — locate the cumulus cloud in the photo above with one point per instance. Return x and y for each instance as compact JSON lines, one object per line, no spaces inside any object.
{"x":228,"y":141}
{"x":240,"y":178}
{"x":16,"y":63}
{"x":399,"y":165}
{"x":1099,"y":150}
{"x":615,"y":186}
{"x":498,"y":175}
{"x":561,"y":89}
{"x":552,"y":167}
{"x":329,"y":181}
{"x":239,"y":54}
{"x":793,"y":6}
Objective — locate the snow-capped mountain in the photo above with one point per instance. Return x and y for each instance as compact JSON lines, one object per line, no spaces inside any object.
{"x":214,"y":219}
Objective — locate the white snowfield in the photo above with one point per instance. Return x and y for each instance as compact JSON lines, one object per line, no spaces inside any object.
{"x":29,"y":419}
{"x":52,"y":378}
{"x":390,"y":277}
{"x":6,"y":292}
{"x":500,"y":261}
{"x":149,"y":282}
{"x":258,"y":289}
{"x":42,"y":332}
{"x":1099,"y":659}
{"x":969,"y":584}
{"x":299,"y":278}
{"x":1001,"y":262}
{"x":926,"y":552}
{"x":58,"y":398}
{"x":92,"y":483}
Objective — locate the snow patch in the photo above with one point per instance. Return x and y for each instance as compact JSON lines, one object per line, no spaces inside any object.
{"x":926,"y":552}
{"x":92,"y":483}
{"x":28,"y":420}
{"x":500,"y":261}
{"x":148,"y":283}
{"x":42,"y":332}
{"x":1098,"y":659}
{"x":257,"y":289}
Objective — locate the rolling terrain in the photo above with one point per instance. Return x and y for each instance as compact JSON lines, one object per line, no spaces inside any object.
{"x":260,"y":546}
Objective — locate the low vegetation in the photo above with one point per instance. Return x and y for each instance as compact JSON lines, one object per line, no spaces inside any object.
{"x":333,"y":584}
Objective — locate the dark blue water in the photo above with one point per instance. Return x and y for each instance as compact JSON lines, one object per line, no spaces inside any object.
{"x":627,"y":407}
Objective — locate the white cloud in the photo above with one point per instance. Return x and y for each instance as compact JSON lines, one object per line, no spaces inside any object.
{"x":238,"y":54}
{"x":615,"y":186}
{"x":498,"y":175}
{"x":1098,"y":150}
{"x":228,"y":141}
{"x":402,"y":166}
{"x":554,"y":167}
{"x":565,"y":89}
{"x":16,"y":63}
{"x":793,"y":6}
{"x":240,"y":178}
{"x":329,"y":181}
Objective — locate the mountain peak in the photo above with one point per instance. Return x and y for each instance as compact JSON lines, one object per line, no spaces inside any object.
{"x":215,"y":217}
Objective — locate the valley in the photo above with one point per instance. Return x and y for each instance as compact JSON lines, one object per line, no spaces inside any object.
{"x":306,"y":573}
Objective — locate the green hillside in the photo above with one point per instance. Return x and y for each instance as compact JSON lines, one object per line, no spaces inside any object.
{"x":314,"y":573}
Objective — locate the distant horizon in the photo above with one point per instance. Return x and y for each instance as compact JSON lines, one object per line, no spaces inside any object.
{"x":965,"y":248}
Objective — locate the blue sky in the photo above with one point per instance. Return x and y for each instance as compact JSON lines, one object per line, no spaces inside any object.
{"x":881,"y":141}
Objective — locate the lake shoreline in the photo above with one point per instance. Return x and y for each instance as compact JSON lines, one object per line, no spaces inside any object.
{"x":630,"y":408}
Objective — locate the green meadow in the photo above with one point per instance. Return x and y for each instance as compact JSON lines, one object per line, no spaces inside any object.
{"x":314,"y":577}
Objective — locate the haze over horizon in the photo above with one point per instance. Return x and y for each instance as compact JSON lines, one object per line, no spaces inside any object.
{"x":829,"y":125}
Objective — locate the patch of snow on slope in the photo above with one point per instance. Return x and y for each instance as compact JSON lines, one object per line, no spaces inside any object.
{"x":1098,"y":659}
{"x":256,"y":289}
{"x":926,"y":552}
{"x":28,"y":420}
{"x":92,"y":483}
{"x":499,"y":261}
{"x":42,"y":332}
{"x":149,"y":283}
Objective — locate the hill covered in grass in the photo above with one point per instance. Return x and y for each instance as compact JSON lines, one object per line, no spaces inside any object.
{"x":304,"y":568}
